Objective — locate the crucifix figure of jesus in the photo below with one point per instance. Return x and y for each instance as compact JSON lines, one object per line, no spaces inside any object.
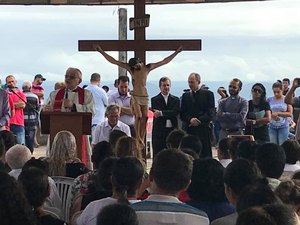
{"x":139,"y":95}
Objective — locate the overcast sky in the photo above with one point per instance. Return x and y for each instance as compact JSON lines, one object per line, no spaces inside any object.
{"x":252,"y":40}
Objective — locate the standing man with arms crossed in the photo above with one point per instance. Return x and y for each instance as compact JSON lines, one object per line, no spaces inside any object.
{"x":166,"y":108}
{"x":232,"y":111}
{"x":122,"y":98}
{"x":197,"y":111}
{"x":139,"y":95}
{"x":19,"y":100}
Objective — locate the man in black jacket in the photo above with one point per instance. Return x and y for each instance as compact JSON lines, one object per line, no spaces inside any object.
{"x":166,"y":108}
{"x":197,"y":111}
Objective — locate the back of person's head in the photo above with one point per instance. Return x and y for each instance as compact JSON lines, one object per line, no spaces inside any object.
{"x":223,"y":148}
{"x":114,"y":136}
{"x":14,"y":207}
{"x":101,"y":151}
{"x":127,"y":177}
{"x":190,"y":152}
{"x":282,"y":214}
{"x":8,"y":138}
{"x":207,"y":182}
{"x":104,"y":174}
{"x":192,"y":142}
{"x":174,"y":138}
{"x":35,"y":185}
{"x":17,"y":156}
{"x":292,"y":151}
{"x":256,"y":216}
{"x":63,"y":149}
{"x":257,"y":194}
{"x":233,"y":146}
{"x":37,"y":163}
{"x":289,"y":192}
{"x":270,"y":159}
{"x":171,"y":170}
{"x":63,"y":146}
{"x":296,"y":175}
{"x":126,"y":146}
{"x":117,"y":214}
{"x":240,"y":173}
{"x":246,"y":149}
{"x":95,"y":77}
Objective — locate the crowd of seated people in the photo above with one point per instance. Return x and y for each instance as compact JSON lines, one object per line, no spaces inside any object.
{"x":249,"y":182}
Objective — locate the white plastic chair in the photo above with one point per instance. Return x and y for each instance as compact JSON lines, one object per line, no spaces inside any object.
{"x":64,"y":186}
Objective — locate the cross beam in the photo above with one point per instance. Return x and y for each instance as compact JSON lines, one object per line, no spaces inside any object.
{"x":139,"y":45}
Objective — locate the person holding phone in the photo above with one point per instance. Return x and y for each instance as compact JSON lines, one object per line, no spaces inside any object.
{"x":295,"y":102}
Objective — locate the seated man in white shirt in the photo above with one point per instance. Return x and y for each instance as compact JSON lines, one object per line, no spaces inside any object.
{"x":170,"y":174}
{"x":112,"y":122}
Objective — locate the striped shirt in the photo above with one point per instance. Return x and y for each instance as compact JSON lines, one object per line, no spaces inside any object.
{"x":163,"y":209}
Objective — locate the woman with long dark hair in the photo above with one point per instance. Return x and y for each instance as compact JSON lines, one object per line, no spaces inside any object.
{"x":259,"y":114}
{"x":14,"y":207}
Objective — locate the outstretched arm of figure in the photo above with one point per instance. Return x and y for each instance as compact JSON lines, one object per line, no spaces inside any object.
{"x":111,"y":59}
{"x":166,"y":60}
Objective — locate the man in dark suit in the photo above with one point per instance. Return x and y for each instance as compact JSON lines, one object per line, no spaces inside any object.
{"x":166,"y":108}
{"x":197,"y":112}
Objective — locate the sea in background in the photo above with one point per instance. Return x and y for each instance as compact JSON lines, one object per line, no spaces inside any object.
{"x":177,"y":87}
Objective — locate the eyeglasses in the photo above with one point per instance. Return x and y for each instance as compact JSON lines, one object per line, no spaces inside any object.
{"x":257,"y":90}
{"x":71,"y":77}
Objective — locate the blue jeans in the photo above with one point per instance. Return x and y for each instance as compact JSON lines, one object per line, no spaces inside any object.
{"x":19,"y":132}
{"x":29,"y":138}
{"x":278,"y":136}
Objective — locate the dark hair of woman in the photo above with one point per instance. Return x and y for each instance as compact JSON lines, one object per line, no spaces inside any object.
{"x":127,"y":176}
{"x":14,"y":207}
{"x":117,"y":214}
{"x":263,"y":94}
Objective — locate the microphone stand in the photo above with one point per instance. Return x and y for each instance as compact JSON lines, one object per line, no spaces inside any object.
{"x":26,"y":103}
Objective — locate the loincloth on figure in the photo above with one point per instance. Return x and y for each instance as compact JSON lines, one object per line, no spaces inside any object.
{"x":139,"y":105}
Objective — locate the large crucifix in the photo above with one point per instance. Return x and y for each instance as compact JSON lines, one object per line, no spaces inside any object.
{"x":139,"y":97}
{"x":139,"y":45}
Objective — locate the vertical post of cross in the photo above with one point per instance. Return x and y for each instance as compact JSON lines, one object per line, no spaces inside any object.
{"x":140,"y":32}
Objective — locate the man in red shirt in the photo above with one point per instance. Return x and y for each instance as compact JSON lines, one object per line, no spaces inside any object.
{"x":19,"y":100}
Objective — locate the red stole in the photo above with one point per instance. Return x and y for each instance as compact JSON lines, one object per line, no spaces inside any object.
{"x":57,"y":108}
{"x":61,"y":94}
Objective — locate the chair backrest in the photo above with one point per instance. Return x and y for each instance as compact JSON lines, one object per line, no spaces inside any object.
{"x":64,"y":186}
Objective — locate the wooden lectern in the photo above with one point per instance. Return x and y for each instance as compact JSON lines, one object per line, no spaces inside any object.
{"x":78,"y":123}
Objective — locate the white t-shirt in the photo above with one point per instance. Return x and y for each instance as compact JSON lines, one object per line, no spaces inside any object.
{"x":89,"y":214}
{"x":100,"y":103}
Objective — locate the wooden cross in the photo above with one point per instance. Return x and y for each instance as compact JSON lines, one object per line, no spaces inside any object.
{"x":139,"y":45}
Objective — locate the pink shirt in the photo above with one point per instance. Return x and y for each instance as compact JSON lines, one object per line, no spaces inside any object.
{"x":18,"y":118}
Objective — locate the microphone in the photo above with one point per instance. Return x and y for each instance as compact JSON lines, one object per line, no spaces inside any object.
{"x":67,"y":93}
{"x":10,"y":86}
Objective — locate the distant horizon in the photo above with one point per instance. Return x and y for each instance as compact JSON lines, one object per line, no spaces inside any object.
{"x":250,"y":40}
{"x":177,"y":87}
